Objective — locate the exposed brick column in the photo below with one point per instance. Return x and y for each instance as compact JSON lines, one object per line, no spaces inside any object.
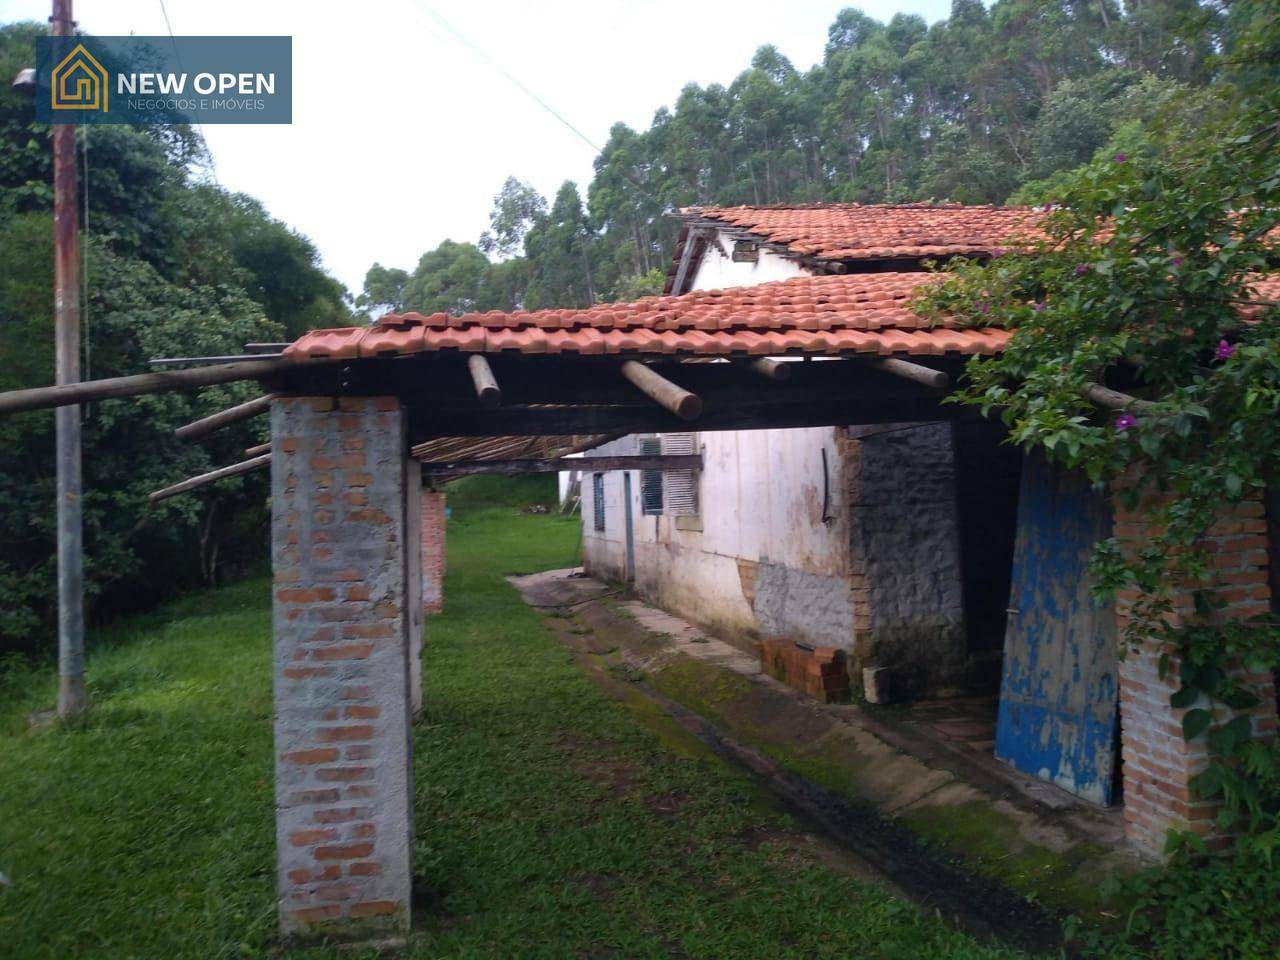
{"x":343,"y":824}
{"x":413,"y":559}
{"x":1158,"y":764}
{"x":433,"y":556}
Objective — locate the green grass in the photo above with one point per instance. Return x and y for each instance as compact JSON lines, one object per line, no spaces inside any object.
{"x":552,"y":821}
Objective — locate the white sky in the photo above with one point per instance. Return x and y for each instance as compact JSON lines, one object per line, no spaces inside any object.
{"x":401,"y":135}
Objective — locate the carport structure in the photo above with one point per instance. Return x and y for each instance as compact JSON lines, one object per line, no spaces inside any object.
{"x":352,"y":406}
{"x":354,"y":412}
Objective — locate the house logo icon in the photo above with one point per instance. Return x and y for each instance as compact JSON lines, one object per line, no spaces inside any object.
{"x":79,"y":82}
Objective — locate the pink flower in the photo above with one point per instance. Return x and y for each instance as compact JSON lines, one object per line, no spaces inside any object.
{"x":1126,"y":421}
{"x":1176,"y":261}
{"x":1082,"y":269}
{"x":1039,"y":307}
{"x":1121,"y":158}
{"x":997,"y":251}
{"x":983,"y":307}
{"x":1225,"y":350}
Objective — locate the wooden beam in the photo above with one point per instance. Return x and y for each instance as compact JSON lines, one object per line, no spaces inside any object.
{"x":770,"y":369}
{"x":673,"y":397}
{"x":486,"y":383}
{"x":466,"y":468}
{"x":216,"y":421}
{"x":1114,"y":399}
{"x":259,"y":450}
{"x":917,"y":373}
{"x":44,"y":398}
{"x":195,"y":483}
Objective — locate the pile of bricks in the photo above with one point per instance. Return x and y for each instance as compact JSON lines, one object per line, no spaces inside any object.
{"x":1159,"y":765}
{"x":820,"y":672}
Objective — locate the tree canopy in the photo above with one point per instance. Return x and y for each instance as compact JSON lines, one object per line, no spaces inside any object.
{"x":990,"y":104}
{"x":174,"y":266}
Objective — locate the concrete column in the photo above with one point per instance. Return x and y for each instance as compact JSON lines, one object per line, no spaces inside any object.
{"x":343,"y":816}
{"x":433,"y":555}
{"x":1159,"y":764}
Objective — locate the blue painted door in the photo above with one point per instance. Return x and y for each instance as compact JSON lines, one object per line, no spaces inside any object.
{"x":1059,"y":688}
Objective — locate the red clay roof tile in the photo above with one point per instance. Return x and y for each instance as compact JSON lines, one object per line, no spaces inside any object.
{"x":851,"y":231}
{"x":862,"y":313}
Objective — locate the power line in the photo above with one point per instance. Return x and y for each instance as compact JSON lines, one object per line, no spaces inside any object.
{"x":213,"y":167}
{"x":457,"y":35}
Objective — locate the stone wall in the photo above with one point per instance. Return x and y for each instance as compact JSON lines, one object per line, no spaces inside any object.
{"x":341,"y":629}
{"x":905,"y":555}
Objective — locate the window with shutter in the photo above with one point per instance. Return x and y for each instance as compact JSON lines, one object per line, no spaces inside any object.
{"x":597,"y":500}
{"x":680,"y":487}
{"x":650,"y":480}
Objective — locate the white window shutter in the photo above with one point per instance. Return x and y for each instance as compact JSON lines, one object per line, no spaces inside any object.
{"x":680,"y":487}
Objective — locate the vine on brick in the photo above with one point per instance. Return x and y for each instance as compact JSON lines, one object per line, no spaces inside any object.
{"x":1148,"y":281}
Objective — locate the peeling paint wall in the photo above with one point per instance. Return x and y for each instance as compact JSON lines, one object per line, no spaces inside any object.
{"x":767,"y":553}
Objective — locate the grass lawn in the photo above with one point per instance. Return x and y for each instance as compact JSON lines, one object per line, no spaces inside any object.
{"x":551,"y":821}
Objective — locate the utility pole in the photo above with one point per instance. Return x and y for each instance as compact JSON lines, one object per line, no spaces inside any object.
{"x":66,"y":305}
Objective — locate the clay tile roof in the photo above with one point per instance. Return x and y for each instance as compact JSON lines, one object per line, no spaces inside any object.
{"x":857,"y":313}
{"x":851,"y":231}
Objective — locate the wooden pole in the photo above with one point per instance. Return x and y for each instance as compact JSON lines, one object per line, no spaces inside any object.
{"x":242,"y":411}
{"x":66,"y":325}
{"x":195,"y":483}
{"x":486,"y":383}
{"x":44,"y":398}
{"x":1114,"y":399}
{"x":466,"y":468}
{"x":685,"y":405}
{"x":771,"y":369}
{"x":259,"y":450}
{"x":934,"y":379}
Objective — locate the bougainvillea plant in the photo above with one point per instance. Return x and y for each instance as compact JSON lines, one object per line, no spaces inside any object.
{"x":1149,"y":282}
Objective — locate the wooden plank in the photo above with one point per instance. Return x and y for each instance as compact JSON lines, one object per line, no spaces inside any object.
{"x":259,"y":450}
{"x":466,"y":468}
{"x":672,"y":396}
{"x":1059,"y":685}
{"x":241,"y":411}
{"x":487,"y":389}
{"x":204,"y":479}
{"x":44,"y":398}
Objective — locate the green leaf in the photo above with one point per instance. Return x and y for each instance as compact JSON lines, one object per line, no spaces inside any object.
{"x":1195,"y":723}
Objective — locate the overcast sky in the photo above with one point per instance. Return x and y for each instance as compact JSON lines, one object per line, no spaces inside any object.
{"x":401,"y":135}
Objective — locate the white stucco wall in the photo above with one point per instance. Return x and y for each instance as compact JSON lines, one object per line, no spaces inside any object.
{"x":720,"y":272}
{"x":759,"y":556}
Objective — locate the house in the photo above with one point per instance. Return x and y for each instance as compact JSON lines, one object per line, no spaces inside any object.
{"x":929,"y":552}
{"x":892,"y":542}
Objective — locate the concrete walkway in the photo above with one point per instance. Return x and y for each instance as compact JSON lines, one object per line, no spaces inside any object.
{"x":1030,"y":836}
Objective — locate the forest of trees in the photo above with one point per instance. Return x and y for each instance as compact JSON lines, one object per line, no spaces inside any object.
{"x":986,"y":106}
{"x":175,"y":266}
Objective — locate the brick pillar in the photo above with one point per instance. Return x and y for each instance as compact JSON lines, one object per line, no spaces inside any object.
{"x":343,"y":826}
{"x":433,"y":562}
{"x":413,"y":598}
{"x":1158,"y":764}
